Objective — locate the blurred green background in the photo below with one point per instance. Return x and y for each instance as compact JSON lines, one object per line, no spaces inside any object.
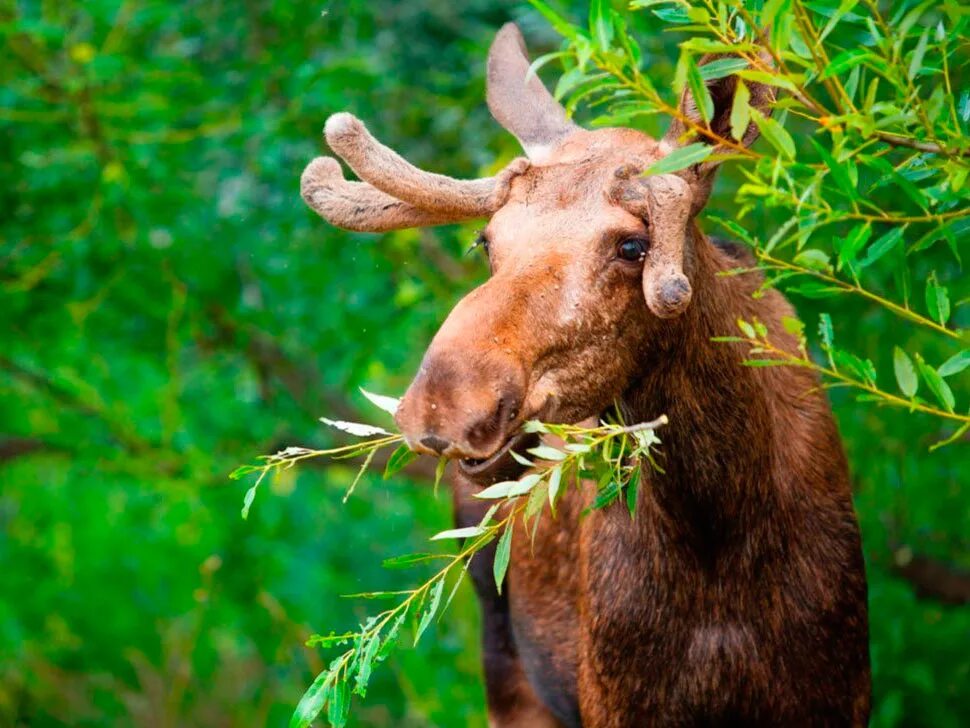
{"x":170,"y":309}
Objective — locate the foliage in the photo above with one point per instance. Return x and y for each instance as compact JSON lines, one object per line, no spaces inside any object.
{"x":876,"y":99}
{"x":169,"y":307}
{"x":610,"y":454}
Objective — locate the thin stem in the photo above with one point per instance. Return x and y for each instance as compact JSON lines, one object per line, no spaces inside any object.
{"x":833,"y":373}
{"x":907,"y":313}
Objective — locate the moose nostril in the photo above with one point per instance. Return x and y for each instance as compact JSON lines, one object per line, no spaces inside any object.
{"x":488,"y":430}
{"x":438,"y":444}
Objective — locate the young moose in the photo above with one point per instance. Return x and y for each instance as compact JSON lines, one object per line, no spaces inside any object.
{"x":737,"y":594}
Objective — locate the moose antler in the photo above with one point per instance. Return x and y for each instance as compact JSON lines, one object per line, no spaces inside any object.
{"x":358,"y":206}
{"x":395,"y":194}
{"x":664,"y":202}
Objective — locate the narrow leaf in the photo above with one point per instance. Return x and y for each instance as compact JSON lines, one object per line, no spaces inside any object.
{"x":398,"y":460}
{"x":467,"y":532}
{"x":938,"y":386}
{"x":355,"y":428}
{"x":544,"y":452}
{"x":955,"y":364}
{"x":510,"y":488}
{"x":937,"y":300}
{"x":502,"y":553}
{"x":426,"y":618}
{"x":680,"y":158}
{"x":883,"y":245}
{"x":775,"y":133}
{"x":311,"y":703}
{"x":555,"y":480}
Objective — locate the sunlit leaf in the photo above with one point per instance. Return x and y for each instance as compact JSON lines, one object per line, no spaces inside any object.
{"x":355,"y":428}
{"x":388,"y":404}
{"x":905,"y":372}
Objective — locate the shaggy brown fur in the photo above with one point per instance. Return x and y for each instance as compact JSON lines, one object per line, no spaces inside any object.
{"x":737,"y":594}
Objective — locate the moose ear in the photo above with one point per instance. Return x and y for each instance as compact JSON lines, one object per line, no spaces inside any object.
{"x":722,"y":92}
{"x":519,"y":101}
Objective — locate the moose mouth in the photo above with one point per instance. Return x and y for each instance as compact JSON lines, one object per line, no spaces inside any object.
{"x":500,"y":465}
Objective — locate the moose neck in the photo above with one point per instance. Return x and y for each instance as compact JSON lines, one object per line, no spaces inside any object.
{"x":717,"y":452}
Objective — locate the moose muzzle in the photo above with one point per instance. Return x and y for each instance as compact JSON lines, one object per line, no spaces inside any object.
{"x":464,"y":403}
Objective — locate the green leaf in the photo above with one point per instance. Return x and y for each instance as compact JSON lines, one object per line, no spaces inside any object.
{"x":955,"y":364}
{"x":722,"y":67}
{"x":854,"y":242}
{"x":398,"y":460}
{"x":916,"y":61}
{"x":937,"y":300}
{"x":439,"y":471}
{"x":940,"y":389}
{"x":838,"y":170}
{"x":502,"y":553}
{"x":248,"y":500}
{"x":814,"y":259}
{"x":698,"y":89}
{"x":510,"y":488}
{"x":466,"y":532}
{"x":769,"y":79}
{"x":408,"y":560}
{"x":428,"y":615}
{"x":555,"y":480}
{"x":883,"y":245}
{"x":367,"y":660}
{"x":677,"y":15}
{"x":740,"y":111}
{"x":632,"y":487}
{"x":244,"y":470}
{"x":844,"y":61}
{"x":680,"y":158}
{"x":815,"y":289}
{"x":388,"y":404}
{"x":905,"y":372}
{"x":793,"y":326}
{"x":557,"y":21}
{"x":544,"y":452}
{"x":312,"y":702}
{"x":601,"y":23}
{"x":338,"y":704}
{"x":746,"y":328}
{"x":825,"y":330}
{"x":775,"y":134}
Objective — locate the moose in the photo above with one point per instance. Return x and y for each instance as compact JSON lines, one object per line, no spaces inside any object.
{"x":736,"y":594}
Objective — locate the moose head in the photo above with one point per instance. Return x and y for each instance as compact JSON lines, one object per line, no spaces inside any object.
{"x":590,"y":260}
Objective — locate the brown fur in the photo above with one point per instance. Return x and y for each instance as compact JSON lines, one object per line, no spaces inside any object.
{"x":737,"y":593}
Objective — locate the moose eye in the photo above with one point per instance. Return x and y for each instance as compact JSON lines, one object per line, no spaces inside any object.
{"x":632,"y":249}
{"x":480,"y":242}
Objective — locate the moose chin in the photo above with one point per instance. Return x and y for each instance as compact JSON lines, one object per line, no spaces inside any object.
{"x":737,"y":593}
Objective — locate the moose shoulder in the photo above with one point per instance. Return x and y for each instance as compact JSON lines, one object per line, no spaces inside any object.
{"x":737,"y":594}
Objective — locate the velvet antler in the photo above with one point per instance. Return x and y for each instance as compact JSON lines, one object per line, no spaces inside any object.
{"x":395,"y":194}
{"x":664,"y":202}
